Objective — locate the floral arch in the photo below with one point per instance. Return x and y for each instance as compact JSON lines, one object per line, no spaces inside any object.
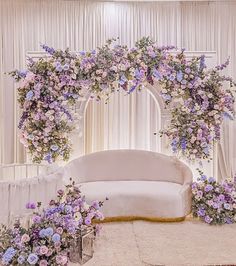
{"x":195,"y":96}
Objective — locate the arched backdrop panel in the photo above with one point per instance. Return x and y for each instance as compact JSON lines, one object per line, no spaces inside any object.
{"x":125,"y":122}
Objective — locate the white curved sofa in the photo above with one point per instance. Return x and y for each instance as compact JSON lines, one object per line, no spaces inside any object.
{"x":139,"y":184}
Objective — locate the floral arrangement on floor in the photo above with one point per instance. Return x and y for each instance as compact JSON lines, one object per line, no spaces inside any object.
{"x":196,"y":96}
{"x":213,"y":202}
{"x":47,"y":239}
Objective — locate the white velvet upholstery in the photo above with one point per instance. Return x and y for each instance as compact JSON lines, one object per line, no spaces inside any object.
{"x":137,"y":183}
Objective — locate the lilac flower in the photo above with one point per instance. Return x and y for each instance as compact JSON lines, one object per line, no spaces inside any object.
{"x":228,"y":220}
{"x":157,"y":74}
{"x":208,"y":219}
{"x":8,"y":255}
{"x":87,"y":221}
{"x":201,"y":212}
{"x":227,"y":206}
{"x":29,"y":95}
{"x":32,"y":259}
{"x":66,"y":67}
{"x":68,"y":208}
{"x":42,"y":233}
{"x":21,"y":259}
{"x":30,"y":205}
{"x":203,"y":178}
{"x":211,"y":180}
{"x":123,"y":80}
{"x":183,"y":144}
{"x":48,"y":49}
{"x":56,"y":238}
{"x":137,"y":74}
{"x":48,"y":158}
{"x":179,"y":76}
{"x":208,"y":188}
{"x":59,"y":68}
{"x":199,"y":193}
{"x":166,"y":97}
{"x":202,"y":63}
{"x":221,"y":197}
{"x":22,"y":73}
{"x":83,"y":53}
{"x":95,"y":204}
{"x":54,"y":147}
{"x":36,"y":219}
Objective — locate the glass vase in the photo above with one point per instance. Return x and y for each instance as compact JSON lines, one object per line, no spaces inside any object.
{"x":81,"y":247}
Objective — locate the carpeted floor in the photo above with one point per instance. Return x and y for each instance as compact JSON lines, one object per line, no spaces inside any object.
{"x":142,"y":243}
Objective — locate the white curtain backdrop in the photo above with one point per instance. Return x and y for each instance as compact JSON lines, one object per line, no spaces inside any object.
{"x":126,"y":122}
{"x":79,"y":25}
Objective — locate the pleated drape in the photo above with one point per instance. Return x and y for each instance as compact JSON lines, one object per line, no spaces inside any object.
{"x":79,"y":25}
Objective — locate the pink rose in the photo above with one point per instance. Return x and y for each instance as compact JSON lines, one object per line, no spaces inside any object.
{"x":59,"y":230}
{"x":43,"y":250}
{"x":43,"y":263}
{"x":25,"y":238}
{"x":49,"y":253}
{"x":61,"y":260}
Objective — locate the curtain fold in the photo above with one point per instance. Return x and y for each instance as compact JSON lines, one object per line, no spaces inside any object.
{"x":84,"y":25}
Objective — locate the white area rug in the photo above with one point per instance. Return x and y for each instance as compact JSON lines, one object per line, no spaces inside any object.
{"x":186,"y":243}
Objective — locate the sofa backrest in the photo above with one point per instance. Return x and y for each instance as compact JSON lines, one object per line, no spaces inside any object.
{"x":114,"y":165}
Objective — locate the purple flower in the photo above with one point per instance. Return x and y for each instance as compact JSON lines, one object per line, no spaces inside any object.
{"x":208,"y":188}
{"x":211,"y":180}
{"x":21,"y":259}
{"x":228,"y":220}
{"x":66,"y":67}
{"x":87,"y":221}
{"x":201,"y":212}
{"x":137,"y":74}
{"x":203,"y":178}
{"x":59,"y":68}
{"x":56,"y":238}
{"x":221,"y":197}
{"x":199,"y":193}
{"x":42,"y":233}
{"x":95,"y":204}
{"x":83,"y":53}
{"x":54,"y":147}
{"x":48,"y":158}
{"x":36,"y":219}
{"x":22,"y":73}
{"x":179,"y":76}
{"x":202,"y":63}
{"x":8,"y":255}
{"x":29,"y":95}
{"x":208,"y":219}
{"x":48,"y":49}
{"x":32,"y":259}
{"x":183,"y":144}
{"x":68,"y":208}
{"x":227,"y":206}
{"x":30,"y":205}
{"x":157,"y":74}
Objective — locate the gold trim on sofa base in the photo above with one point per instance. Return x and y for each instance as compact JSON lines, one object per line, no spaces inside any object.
{"x":135,"y":218}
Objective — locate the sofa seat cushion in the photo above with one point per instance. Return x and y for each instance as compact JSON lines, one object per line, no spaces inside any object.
{"x":137,"y":198}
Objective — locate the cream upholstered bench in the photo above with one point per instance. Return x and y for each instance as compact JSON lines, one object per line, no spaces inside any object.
{"x":139,"y":184}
